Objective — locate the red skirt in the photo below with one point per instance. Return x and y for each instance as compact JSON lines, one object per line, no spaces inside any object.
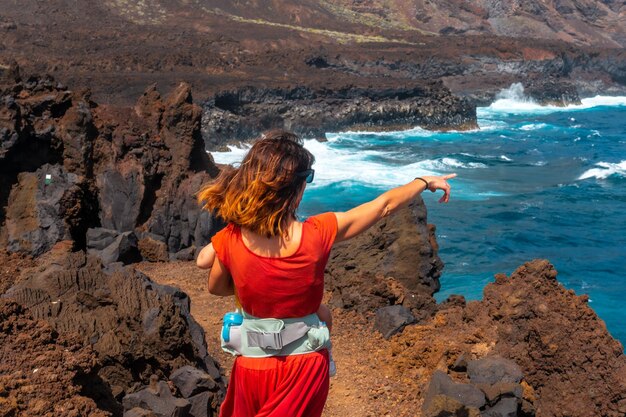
{"x":279,"y":386}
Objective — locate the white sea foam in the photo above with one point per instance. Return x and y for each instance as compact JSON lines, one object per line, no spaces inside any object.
{"x":443,"y":164}
{"x":605,"y":170}
{"x":513,"y":100}
{"x":337,"y":165}
{"x":533,"y":126}
{"x":505,"y":158}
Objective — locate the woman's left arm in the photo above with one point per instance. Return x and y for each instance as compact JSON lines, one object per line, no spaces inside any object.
{"x":206,"y":257}
{"x":220,"y":281}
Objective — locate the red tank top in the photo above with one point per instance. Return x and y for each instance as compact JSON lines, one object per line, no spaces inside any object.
{"x":283,"y":287}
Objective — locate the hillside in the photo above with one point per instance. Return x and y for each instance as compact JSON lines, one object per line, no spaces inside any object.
{"x":118,"y":47}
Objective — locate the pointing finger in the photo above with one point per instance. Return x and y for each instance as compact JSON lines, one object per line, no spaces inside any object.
{"x":449,"y":176}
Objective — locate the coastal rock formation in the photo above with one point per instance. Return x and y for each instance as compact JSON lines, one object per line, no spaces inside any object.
{"x":135,"y":328}
{"x":570,"y":363}
{"x":68,"y":166}
{"x":393,"y":263}
{"x":244,"y":113}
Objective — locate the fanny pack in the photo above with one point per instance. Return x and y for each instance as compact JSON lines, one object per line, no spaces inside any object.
{"x":246,"y":335}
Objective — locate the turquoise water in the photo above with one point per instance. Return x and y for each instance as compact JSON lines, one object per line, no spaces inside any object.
{"x":533,"y":182}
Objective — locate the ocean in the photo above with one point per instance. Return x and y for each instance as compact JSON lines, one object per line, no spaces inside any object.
{"x":533,"y":182}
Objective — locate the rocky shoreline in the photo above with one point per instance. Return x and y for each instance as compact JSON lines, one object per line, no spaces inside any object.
{"x":243,"y":114}
{"x":87,"y":190}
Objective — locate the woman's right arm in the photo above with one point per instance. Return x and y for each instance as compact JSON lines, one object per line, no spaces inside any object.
{"x":357,"y":220}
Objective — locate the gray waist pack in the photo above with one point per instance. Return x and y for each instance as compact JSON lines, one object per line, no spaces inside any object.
{"x":259,"y":338}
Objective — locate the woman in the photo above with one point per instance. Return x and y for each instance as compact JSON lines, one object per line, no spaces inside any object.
{"x":275,"y":264}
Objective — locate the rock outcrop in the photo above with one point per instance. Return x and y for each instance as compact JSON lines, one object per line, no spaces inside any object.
{"x":393,"y":263}
{"x":68,"y":166}
{"x":570,"y":363}
{"x":137,"y":329}
{"x":244,"y":113}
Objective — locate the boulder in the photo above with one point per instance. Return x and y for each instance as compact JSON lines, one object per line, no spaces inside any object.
{"x":506,"y":407}
{"x":99,"y":238}
{"x":201,"y":405}
{"x":157,"y":399}
{"x":494,"y":392}
{"x":442,"y":385}
{"x":46,"y":207}
{"x":191,"y":381}
{"x":493,"y":369}
{"x":392,"y":319}
{"x":122,"y":248}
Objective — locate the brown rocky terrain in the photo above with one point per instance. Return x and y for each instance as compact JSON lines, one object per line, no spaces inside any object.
{"x":118,"y":47}
{"x":88,"y":188}
{"x":386,"y":48}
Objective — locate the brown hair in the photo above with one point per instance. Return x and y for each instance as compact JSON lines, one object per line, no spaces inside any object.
{"x":262,"y":194}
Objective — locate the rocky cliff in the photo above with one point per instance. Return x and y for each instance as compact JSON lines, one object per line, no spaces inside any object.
{"x":243,"y":114}
{"x":85,"y":190}
{"x":71,"y":169}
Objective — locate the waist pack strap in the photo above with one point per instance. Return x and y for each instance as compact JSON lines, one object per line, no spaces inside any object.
{"x":255,"y":337}
{"x":277,"y":340}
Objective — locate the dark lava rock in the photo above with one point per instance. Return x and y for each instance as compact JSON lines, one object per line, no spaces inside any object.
{"x":112,"y":246}
{"x":159,"y":400}
{"x":392,"y":319}
{"x":99,"y":238}
{"x":243,"y":114}
{"x":190,"y":381}
{"x":506,"y":407}
{"x":550,"y":91}
{"x":201,"y":405}
{"x":441,"y":385}
{"x":46,"y":206}
{"x":501,"y":389}
{"x":128,"y":170}
{"x":395,"y":262}
{"x":136,"y":327}
{"x":493,"y":369}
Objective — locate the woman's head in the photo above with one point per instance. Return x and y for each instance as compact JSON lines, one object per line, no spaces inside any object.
{"x":264,"y":192}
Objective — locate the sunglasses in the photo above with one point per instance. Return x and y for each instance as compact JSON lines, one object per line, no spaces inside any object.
{"x":308,"y":173}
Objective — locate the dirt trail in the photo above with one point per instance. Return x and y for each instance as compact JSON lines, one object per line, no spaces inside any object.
{"x":365,"y":385}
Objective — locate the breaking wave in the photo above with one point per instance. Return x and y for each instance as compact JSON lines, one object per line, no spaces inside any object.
{"x":605,"y":170}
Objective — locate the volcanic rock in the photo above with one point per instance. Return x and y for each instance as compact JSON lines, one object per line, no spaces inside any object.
{"x":470,"y":397}
{"x":135,"y":327}
{"x":245,"y":113}
{"x":570,"y":363}
{"x":190,"y":381}
{"x":157,"y":399}
{"x":395,"y":262}
{"x":392,"y":319}
{"x":71,"y":165}
{"x":489,"y":370}
{"x":40,"y":369}
{"x":552,"y":92}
